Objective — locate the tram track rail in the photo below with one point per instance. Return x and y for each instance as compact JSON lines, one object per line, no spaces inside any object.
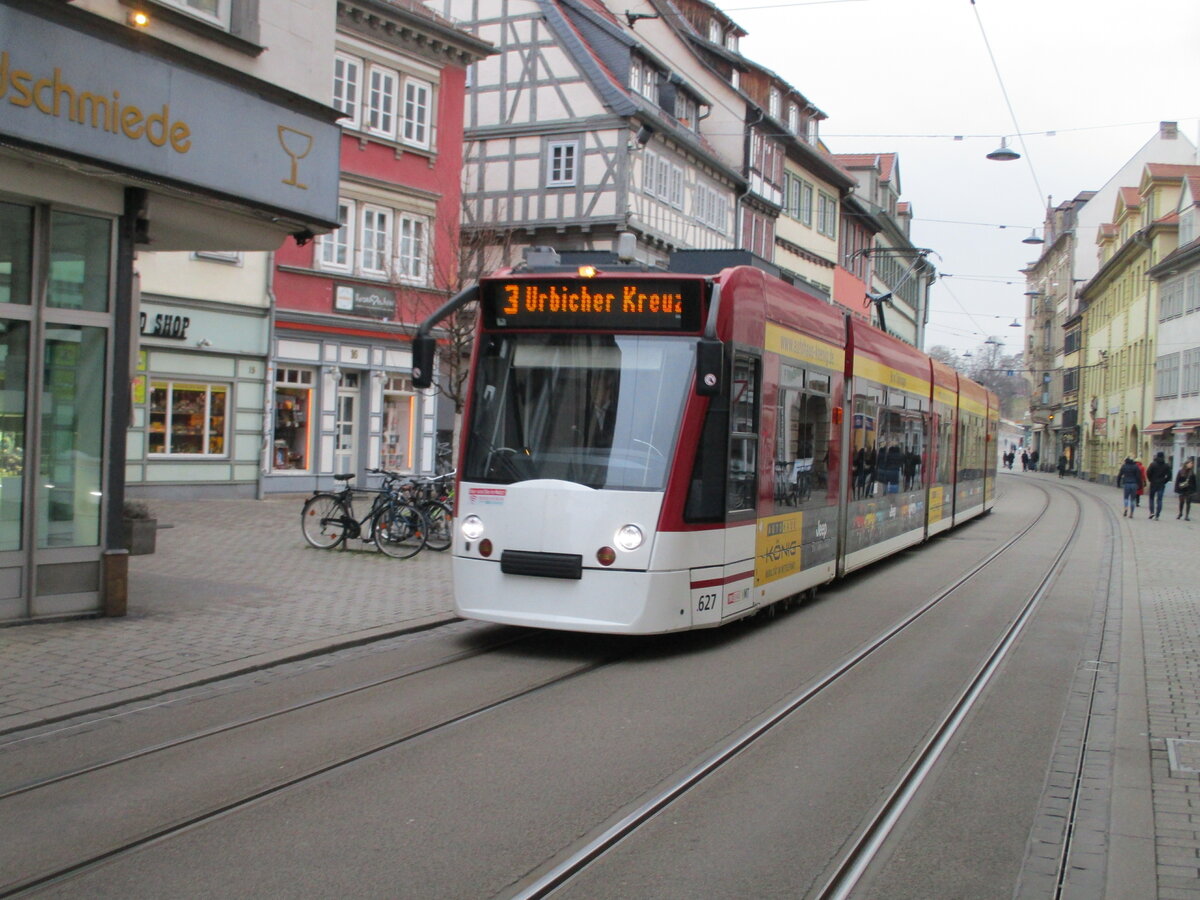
{"x":582,"y":856}
{"x":183,"y":824}
{"x":870,"y":838}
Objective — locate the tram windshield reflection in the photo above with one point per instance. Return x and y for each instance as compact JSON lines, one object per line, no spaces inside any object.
{"x":597,"y":410}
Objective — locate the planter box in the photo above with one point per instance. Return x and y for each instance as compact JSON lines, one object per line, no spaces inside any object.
{"x":140,"y":536}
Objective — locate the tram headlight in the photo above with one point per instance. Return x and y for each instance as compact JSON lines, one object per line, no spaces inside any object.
{"x":629,"y":537}
{"x":472,"y":528}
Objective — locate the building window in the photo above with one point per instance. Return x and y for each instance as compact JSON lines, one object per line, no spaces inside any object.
{"x":187,"y":419}
{"x":233,"y":257}
{"x":711,"y":207}
{"x":399,"y":412}
{"x":336,"y":248}
{"x":416,"y":112}
{"x":561,"y":163}
{"x":412,"y":253}
{"x":346,"y":86}
{"x":635,"y":77}
{"x":826,"y":214}
{"x":677,"y":187}
{"x":1191,"y":373}
{"x":293,"y":418}
{"x":794,"y":119}
{"x":363,"y":244}
{"x":381,"y":101}
{"x":1166,"y":377}
{"x":775,"y":103}
{"x":386,"y":103}
{"x":376,"y":240}
{"x":214,"y":11}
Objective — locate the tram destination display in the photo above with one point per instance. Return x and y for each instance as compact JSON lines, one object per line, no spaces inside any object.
{"x":603,"y":304}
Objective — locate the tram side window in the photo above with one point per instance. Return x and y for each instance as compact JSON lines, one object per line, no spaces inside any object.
{"x":742,"y":476}
{"x":863,"y":445}
{"x":970,"y":448}
{"x":801,"y":439}
{"x":945,"y":467}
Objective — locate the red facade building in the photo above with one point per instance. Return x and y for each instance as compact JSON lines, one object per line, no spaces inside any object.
{"x":346,"y":303}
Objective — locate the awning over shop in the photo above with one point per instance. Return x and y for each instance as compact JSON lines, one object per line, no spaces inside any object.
{"x":1188,"y":425}
{"x":1159,"y":427}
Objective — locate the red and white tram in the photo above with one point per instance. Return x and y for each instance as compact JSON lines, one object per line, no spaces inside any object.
{"x":654,"y":451}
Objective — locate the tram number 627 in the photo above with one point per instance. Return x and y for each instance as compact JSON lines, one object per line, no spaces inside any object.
{"x":706,"y":602}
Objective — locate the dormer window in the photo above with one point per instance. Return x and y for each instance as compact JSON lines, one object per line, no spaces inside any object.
{"x":714,"y":31}
{"x":794,"y":119}
{"x":775,"y":103}
{"x":635,"y":76}
{"x":731,"y":41}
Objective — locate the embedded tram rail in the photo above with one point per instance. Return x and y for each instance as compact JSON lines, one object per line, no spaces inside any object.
{"x":632,"y":816}
{"x":33,"y":792}
{"x":867,"y":843}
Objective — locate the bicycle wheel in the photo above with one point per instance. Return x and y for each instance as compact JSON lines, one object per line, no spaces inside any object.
{"x":323,"y":521}
{"x":400,"y":530}
{"x":438,"y":537}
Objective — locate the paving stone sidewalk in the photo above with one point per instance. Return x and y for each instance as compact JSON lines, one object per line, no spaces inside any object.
{"x":232,"y":587}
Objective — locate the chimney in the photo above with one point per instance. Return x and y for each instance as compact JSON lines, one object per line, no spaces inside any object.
{"x":1168,"y":131}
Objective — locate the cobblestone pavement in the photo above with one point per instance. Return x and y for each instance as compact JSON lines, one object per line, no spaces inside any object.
{"x":232,"y":587}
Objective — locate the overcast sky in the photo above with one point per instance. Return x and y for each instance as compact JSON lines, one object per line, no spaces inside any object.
{"x":908,"y":75}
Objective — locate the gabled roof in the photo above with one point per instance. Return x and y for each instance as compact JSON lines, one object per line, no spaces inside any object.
{"x":1193,"y":188}
{"x":885,"y":163}
{"x":1170,"y":170}
{"x":1128,"y":198}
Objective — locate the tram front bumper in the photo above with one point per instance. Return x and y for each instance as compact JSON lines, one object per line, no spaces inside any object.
{"x":601,"y":600}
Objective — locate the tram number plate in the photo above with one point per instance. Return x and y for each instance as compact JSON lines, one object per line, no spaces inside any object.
{"x":706,"y":602}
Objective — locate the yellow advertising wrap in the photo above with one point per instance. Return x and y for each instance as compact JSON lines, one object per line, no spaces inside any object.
{"x":935,"y":503}
{"x":777,"y":547}
{"x":801,"y":347}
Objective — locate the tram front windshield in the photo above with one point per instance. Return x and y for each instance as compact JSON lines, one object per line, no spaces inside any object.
{"x":598,"y":410}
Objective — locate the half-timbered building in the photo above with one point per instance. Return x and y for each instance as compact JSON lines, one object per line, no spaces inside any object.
{"x":576,"y":131}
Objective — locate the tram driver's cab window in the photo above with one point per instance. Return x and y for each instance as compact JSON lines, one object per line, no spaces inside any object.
{"x":742,"y":477}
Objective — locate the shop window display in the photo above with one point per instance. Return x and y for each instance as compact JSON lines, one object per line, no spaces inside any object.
{"x":14,"y":343}
{"x":293,"y":417}
{"x":187,"y":419}
{"x":398,"y":411}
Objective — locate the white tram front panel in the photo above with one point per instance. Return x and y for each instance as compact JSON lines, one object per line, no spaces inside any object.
{"x":546,"y":523}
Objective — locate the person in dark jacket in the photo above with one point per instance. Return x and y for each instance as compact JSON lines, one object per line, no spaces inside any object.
{"x":1158,"y":474}
{"x":1062,"y":465}
{"x":1130,"y":481}
{"x":1185,"y":487}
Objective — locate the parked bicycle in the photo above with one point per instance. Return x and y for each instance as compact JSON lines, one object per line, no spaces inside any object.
{"x":434,"y":496}
{"x":397,"y":527}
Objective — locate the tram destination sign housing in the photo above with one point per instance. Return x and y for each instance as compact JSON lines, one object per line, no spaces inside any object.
{"x":601,"y":304}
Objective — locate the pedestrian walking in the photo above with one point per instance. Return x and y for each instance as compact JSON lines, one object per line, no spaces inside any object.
{"x":1024,"y":461}
{"x":1062,"y":465}
{"x":1185,"y":487}
{"x":1158,"y":474}
{"x":1137,"y":461}
{"x":1129,"y":479}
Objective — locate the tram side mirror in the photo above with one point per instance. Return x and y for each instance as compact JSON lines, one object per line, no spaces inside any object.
{"x":710,"y":363}
{"x":423,"y":348}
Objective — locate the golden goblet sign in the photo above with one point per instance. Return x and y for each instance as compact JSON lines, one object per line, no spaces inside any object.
{"x":292,"y":140}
